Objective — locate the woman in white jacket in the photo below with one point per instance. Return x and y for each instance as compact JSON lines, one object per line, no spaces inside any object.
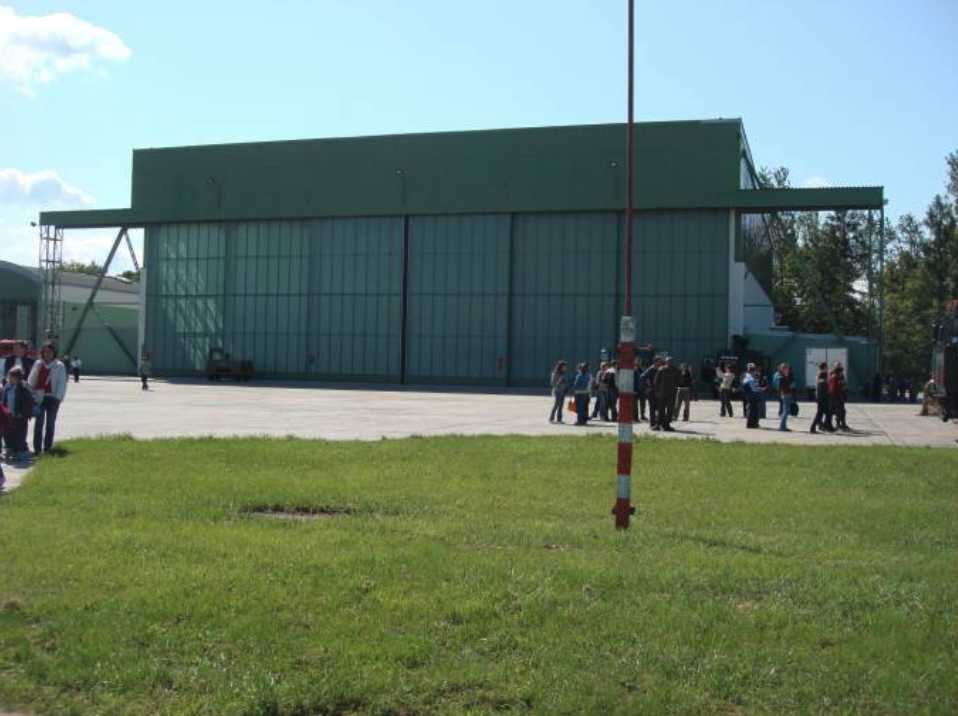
{"x":48,"y":380}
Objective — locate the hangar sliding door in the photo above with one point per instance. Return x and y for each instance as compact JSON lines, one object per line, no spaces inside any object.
{"x":314,"y":299}
{"x":458,"y":299}
{"x":563,"y":291}
{"x":185,"y":294}
{"x":680,"y":282}
{"x":355,"y":302}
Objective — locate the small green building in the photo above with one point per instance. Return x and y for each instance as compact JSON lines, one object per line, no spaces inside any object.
{"x":465,"y":258}
{"x":107,"y":341}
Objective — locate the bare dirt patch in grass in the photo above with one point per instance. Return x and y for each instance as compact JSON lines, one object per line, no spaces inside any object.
{"x":303,"y":513}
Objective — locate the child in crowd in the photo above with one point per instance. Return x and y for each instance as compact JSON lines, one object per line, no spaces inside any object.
{"x":17,"y":401}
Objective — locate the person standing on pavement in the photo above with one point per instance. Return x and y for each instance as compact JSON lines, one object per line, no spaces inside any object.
{"x":823,"y":415}
{"x":725,"y":391}
{"x":146,"y":369}
{"x":19,"y":359}
{"x":600,"y":393}
{"x":612,"y":399}
{"x":666,"y":390}
{"x":786,"y":393}
{"x":558,"y":385}
{"x":581,"y":390}
{"x":928,"y":396}
{"x":648,"y":377}
{"x":838,"y":396}
{"x":17,"y":399}
{"x":751,"y":394}
{"x":763,"y":384}
{"x":684,"y":394}
{"x":641,"y":395}
{"x":76,"y":365}
{"x":48,"y":381}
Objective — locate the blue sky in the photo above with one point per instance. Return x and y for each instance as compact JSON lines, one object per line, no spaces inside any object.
{"x":845,"y":93}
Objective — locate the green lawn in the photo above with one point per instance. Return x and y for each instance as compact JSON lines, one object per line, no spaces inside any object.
{"x":480,"y":575}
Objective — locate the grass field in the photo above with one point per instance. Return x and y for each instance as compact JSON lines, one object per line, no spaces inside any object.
{"x":480,"y":575}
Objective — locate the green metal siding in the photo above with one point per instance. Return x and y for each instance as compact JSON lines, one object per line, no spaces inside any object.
{"x":680,"y":282}
{"x":458,"y":298}
{"x":564,"y":290}
{"x":493,"y":299}
{"x":678,"y":164}
{"x":355,"y":298}
{"x":299,"y":298}
{"x":576,"y":168}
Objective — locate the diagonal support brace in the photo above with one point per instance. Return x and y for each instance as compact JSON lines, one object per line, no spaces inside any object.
{"x":96,"y":287}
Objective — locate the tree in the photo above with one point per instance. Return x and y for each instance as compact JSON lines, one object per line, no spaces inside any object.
{"x":92,"y":268}
{"x":909,"y":305}
{"x":952,"y":163}
{"x":941,"y":249}
{"x":920,"y":276}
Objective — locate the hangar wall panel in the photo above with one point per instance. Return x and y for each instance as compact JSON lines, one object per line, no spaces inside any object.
{"x":316,"y":298}
{"x":323,"y":298}
{"x":355,"y":298}
{"x":458,"y":298}
{"x":566,"y":270}
{"x":680,"y":281}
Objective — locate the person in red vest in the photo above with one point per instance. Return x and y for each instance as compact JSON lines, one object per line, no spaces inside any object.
{"x":838,"y":395}
{"x":48,"y":380}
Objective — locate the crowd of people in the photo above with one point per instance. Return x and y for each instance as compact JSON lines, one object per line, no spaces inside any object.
{"x":32,"y":390}
{"x":664,"y":392}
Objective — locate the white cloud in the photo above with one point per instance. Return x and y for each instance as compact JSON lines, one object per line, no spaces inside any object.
{"x":44,"y":190}
{"x":36,"y":48}
{"x":816,"y":182}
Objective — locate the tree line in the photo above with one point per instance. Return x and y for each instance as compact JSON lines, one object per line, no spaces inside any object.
{"x":827,"y":271}
{"x":92,"y":268}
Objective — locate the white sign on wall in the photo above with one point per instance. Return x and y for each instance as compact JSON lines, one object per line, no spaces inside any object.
{"x":814,"y":356}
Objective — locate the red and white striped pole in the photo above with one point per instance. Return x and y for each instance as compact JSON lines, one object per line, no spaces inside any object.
{"x":623,"y":508}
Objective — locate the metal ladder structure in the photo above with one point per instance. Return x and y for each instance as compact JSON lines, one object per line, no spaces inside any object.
{"x":51,"y":268}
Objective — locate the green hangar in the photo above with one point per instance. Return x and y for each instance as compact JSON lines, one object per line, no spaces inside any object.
{"x":463,"y":258}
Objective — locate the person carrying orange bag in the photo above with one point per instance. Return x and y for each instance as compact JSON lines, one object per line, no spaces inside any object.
{"x":581,"y":390}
